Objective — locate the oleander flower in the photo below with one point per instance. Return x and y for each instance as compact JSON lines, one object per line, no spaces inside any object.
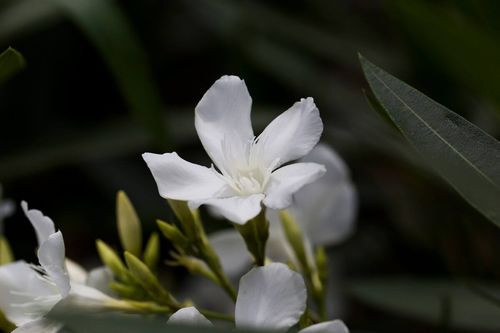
{"x":28,"y":291}
{"x":249,"y":171}
{"x":271,"y":297}
{"x":325,"y":211}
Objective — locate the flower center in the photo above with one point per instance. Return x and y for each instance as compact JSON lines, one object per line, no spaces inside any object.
{"x":250,"y":181}
{"x":243,"y":169}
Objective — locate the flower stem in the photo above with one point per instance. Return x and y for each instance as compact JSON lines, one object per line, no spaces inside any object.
{"x":207,"y":253}
{"x":255,"y":233}
{"x":313,"y":270}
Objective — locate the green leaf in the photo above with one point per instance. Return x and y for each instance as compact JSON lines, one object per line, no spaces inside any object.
{"x":107,"y":27}
{"x":463,"y":154}
{"x":128,"y":224}
{"x":431,"y":301}
{"x":11,"y":62}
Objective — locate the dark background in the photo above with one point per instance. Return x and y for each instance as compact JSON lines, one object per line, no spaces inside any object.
{"x":95,"y":95}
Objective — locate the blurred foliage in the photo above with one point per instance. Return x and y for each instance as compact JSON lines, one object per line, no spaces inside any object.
{"x":107,"y":80}
{"x":445,"y":303}
{"x":11,"y":62}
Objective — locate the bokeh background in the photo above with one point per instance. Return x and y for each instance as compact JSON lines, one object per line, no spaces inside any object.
{"x":108,"y":80}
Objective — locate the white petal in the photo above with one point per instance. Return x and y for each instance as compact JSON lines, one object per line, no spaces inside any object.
{"x":291,"y":135}
{"x":51,"y":255}
{"x":76,"y":272}
{"x":289,"y":179}
{"x":99,"y":278}
{"x":272,"y":297}
{"x":25,"y":295}
{"x":236,"y":209}
{"x":41,"y":325}
{"x":85,"y":296}
{"x":333,"y":326}
{"x":231,"y":250}
{"x":223,"y":113}
{"x":189,"y":316}
{"x":43,"y":225}
{"x":182,"y":180}
{"x":327,"y":207}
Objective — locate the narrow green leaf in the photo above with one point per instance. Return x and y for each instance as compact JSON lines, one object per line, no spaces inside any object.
{"x":107,"y":27}
{"x":463,"y":154}
{"x":128,"y":224}
{"x":11,"y":62}
{"x":423,"y":300}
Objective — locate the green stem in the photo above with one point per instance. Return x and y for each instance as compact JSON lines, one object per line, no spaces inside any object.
{"x":255,"y":234}
{"x":207,"y":253}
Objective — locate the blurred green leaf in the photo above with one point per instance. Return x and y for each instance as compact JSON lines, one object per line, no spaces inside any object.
{"x":467,"y":157}
{"x":468,"y":51}
{"x":424,"y":299}
{"x":78,"y":320}
{"x":104,"y":23}
{"x":11,"y":62}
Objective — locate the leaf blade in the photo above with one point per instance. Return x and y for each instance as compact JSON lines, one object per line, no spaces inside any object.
{"x":464,"y":155}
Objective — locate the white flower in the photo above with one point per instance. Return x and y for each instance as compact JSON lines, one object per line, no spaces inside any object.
{"x":271,"y":297}
{"x":325,"y":210}
{"x":28,"y":292}
{"x":250,"y":170}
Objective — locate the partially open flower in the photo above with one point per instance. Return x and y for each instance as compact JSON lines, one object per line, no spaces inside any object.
{"x":249,"y":171}
{"x":28,"y":291}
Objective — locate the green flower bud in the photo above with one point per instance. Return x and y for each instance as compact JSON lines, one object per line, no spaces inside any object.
{"x":6,"y":255}
{"x":173,"y":234}
{"x":129,"y":226}
{"x":111,"y":259}
{"x":144,"y":277}
{"x":151,"y":254}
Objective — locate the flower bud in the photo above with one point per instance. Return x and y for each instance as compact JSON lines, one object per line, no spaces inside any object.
{"x":129,"y":226}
